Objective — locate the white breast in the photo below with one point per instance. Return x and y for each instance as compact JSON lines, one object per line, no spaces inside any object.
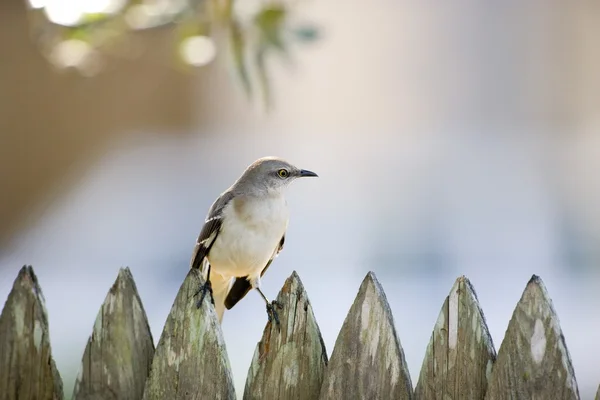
{"x":251,"y":231}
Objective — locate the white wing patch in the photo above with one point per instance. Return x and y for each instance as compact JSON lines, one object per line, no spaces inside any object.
{"x":210,"y":238}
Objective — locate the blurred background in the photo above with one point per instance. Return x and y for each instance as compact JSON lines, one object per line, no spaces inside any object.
{"x":450,"y":138}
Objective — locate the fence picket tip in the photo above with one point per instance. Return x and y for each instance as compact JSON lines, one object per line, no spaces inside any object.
{"x":119,"y":352}
{"x":533,"y":360}
{"x":460,"y":354}
{"x":296,"y":348}
{"x":368,"y":336}
{"x":25,"y":351}
{"x":190,"y":358}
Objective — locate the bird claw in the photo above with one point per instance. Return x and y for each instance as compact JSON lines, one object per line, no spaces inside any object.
{"x":272,"y":312}
{"x":207,"y":287}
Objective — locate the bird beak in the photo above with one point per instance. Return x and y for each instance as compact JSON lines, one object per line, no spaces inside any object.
{"x":304,"y":173}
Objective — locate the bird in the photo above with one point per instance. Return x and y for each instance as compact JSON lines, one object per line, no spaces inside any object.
{"x":242,"y":234}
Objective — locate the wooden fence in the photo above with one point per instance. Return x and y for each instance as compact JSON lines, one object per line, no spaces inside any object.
{"x":367,"y":362}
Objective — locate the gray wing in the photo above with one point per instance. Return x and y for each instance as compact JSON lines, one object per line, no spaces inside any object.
{"x":210,"y":230}
{"x":241,"y":286}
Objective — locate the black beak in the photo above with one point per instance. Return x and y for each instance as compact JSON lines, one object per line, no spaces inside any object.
{"x":304,"y":173}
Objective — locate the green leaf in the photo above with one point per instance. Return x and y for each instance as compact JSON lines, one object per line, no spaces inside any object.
{"x":93,"y":18}
{"x":238,"y":47}
{"x":263,"y":76}
{"x":306,"y":33}
{"x":192,"y":27}
{"x":270,"y":21}
{"x":227,"y":11}
{"x":78,"y":33}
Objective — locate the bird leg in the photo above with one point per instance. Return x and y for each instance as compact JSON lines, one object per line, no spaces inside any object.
{"x":206,"y":287}
{"x":271,"y":308}
{"x":271,"y":305}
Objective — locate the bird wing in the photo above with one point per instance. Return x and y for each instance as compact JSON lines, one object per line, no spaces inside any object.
{"x":241,"y":286}
{"x":210,"y":230}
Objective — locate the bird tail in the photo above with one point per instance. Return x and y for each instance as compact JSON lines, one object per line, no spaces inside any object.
{"x":220,"y":285}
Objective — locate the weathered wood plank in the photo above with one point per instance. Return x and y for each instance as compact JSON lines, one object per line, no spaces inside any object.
{"x":598,"y":393}
{"x":27,"y":370}
{"x":459,"y":358}
{"x":190,"y":361}
{"x":533,"y":361}
{"x":367,"y":361}
{"x":289,"y":363}
{"x":118,"y":355}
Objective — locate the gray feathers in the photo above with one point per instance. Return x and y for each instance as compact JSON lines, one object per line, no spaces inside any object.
{"x":210,"y":230}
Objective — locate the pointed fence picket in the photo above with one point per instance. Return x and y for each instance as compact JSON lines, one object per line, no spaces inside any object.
{"x":290,"y":361}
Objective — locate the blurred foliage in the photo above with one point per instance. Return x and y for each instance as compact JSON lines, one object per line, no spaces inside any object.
{"x":249,"y":30}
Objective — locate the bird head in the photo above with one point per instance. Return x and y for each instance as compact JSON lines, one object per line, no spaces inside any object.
{"x":271,"y":174}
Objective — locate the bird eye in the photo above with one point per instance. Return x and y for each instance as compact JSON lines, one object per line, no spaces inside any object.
{"x":283,"y":173}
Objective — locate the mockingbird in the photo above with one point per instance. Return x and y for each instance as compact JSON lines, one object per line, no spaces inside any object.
{"x":243,"y":232}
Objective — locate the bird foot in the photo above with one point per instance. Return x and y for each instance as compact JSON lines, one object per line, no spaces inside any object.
{"x":207,"y":287}
{"x":272,"y":312}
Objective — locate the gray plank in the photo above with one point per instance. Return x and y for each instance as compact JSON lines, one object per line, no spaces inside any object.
{"x":289,"y":363}
{"x":460,"y":355}
{"x":190,"y":361}
{"x":27,"y":370}
{"x":367,"y":361}
{"x":118,"y":355}
{"x":533,"y":361}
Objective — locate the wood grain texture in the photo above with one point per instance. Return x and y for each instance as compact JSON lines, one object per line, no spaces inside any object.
{"x":367,"y":361}
{"x":289,"y":363}
{"x":27,"y":370}
{"x":533,"y":361}
{"x":190,"y":361}
{"x":119,"y":352}
{"x":460,"y":355}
